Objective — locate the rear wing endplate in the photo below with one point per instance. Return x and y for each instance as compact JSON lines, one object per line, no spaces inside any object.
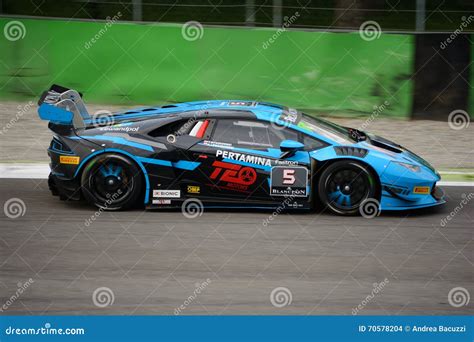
{"x":63,"y":106}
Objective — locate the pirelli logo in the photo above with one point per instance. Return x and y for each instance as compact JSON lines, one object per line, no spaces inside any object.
{"x":73,"y":160}
{"x":421,"y":190}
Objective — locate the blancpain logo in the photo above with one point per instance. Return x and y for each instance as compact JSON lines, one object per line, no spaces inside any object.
{"x":244,"y":158}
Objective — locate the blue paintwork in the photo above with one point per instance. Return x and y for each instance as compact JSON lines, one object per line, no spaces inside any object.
{"x":55,"y":114}
{"x":118,"y":140}
{"x":110,"y":170}
{"x":181,"y":164}
{"x":340,"y":198}
{"x":287,"y":145}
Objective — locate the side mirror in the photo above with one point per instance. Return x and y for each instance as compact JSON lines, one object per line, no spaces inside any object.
{"x":290,"y":147}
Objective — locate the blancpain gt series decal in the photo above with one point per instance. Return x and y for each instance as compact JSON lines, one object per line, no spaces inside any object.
{"x":289,"y":181}
{"x":167,"y":193}
{"x":244,"y":158}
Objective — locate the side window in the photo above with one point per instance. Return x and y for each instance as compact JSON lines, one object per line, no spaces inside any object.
{"x":251,"y":134}
{"x":311,"y":143}
{"x":183,"y":127}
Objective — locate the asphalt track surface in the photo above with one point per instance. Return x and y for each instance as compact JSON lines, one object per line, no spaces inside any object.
{"x":154,"y":262}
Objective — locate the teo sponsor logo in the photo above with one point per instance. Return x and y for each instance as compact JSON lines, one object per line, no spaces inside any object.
{"x":243,"y":158}
{"x":69,"y":160}
{"x":236,"y":176}
{"x":167,"y":193}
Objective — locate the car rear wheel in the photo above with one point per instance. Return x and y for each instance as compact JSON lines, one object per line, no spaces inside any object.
{"x":112,"y":182}
{"x":345,"y":185}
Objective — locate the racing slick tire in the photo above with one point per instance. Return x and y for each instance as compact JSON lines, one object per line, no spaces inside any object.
{"x":112,"y":182}
{"x":345,"y":185}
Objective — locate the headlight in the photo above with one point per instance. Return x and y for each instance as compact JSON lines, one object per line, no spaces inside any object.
{"x":411,"y":167}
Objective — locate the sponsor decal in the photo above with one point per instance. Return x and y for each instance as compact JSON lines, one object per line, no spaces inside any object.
{"x":73,"y":160}
{"x":244,"y":158}
{"x":422,"y":190}
{"x":241,"y":103}
{"x":238,"y":177}
{"x":290,"y":116}
{"x":286,"y":162}
{"x":193,"y":189}
{"x":123,"y":127}
{"x":161,"y":201}
{"x":167,"y":193}
{"x":216,"y":144}
{"x":289,"y":181}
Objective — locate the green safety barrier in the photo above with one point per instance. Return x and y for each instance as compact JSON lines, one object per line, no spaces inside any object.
{"x":126,"y":63}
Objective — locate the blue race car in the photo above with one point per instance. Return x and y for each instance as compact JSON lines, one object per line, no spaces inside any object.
{"x":227,"y":154}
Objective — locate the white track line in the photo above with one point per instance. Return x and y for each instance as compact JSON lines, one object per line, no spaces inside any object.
{"x":41,"y":171}
{"x":456,"y":172}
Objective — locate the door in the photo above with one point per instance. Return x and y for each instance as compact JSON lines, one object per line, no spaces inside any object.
{"x":241,"y":159}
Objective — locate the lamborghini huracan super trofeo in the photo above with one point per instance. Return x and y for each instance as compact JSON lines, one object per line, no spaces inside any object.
{"x":226,"y":154}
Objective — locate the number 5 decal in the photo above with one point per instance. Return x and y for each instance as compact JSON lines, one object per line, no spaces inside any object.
{"x":289,"y":181}
{"x":289,"y":176}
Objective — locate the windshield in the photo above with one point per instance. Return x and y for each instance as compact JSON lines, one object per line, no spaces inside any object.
{"x":326,"y":129}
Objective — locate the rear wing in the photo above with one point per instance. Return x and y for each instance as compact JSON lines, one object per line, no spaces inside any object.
{"x":63,"y":106}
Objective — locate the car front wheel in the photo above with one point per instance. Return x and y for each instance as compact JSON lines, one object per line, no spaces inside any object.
{"x":345,"y":185}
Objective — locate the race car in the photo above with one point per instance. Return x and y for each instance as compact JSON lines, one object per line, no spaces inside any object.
{"x":227,"y":154}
